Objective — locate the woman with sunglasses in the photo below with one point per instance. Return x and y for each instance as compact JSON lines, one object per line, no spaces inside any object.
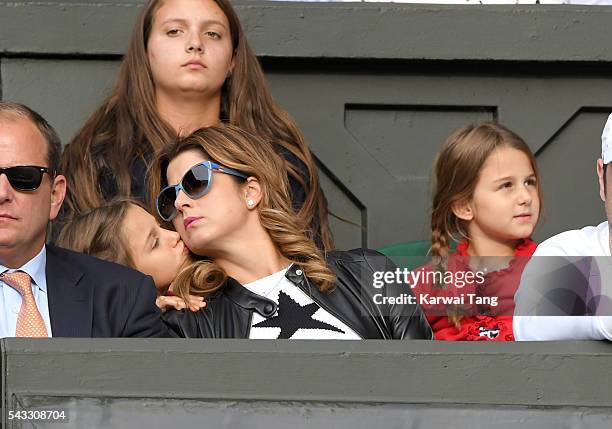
{"x":188,"y":65}
{"x":219,"y":188}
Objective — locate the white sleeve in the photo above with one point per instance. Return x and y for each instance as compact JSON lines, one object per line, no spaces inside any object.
{"x":605,"y":326}
{"x":551,"y":328}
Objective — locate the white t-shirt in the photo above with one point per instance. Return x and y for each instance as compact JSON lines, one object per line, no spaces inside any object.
{"x":588,"y":241}
{"x":298,"y":316}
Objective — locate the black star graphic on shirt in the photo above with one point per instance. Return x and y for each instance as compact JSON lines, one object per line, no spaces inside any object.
{"x":291,"y":316}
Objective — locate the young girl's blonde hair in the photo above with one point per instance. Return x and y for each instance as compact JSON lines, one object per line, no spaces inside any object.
{"x":456,"y":171}
{"x":99,"y":232}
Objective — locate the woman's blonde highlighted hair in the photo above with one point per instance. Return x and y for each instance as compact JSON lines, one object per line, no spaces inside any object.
{"x":233,"y":147}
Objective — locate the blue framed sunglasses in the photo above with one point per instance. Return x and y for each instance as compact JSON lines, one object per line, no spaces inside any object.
{"x":195,"y":184}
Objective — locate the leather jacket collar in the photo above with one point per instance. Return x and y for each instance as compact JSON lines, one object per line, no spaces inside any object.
{"x":249,"y":300}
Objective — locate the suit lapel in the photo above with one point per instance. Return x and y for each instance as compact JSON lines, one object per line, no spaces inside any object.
{"x":70,"y":301}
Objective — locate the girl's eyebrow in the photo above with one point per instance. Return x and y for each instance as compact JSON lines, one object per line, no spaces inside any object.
{"x":185,"y":22}
{"x":150,"y":236}
{"x":177,"y":20}
{"x":502,"y":179}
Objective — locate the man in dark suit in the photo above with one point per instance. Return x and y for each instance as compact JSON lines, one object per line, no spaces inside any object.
{"x":46,"y":291}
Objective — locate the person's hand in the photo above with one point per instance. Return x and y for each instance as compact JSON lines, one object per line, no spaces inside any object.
{"x":166,"y":302}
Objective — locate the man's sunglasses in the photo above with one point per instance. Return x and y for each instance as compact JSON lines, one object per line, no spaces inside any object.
{"x":25,"y":177}
{"x":195,"y":183}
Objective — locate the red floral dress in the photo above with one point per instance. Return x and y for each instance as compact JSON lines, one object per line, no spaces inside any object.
{"x":481,"y":322}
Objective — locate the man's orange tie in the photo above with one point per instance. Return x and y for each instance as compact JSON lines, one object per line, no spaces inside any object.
{"x":29,"y":321}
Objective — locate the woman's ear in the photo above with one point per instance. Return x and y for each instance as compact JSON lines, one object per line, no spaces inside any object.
{"x":463,"y":210}
{"x":252,"y":192}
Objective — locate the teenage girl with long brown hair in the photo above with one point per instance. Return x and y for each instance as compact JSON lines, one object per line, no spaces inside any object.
{"x":188,"y":65}
{"x":487,"y":197}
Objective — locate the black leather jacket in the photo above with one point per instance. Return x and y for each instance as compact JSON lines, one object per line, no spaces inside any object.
{"x":230,"y":310}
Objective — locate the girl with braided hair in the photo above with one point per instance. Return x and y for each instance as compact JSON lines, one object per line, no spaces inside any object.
{"x":487,"y":197}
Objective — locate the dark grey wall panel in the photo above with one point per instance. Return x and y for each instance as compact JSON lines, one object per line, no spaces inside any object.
{"x":390,"y":31}
{"x":572,"y":152}
{"x":572,"y":374}
{"x":65,"y":92}
{"x":67,"y":26}
{"x":348,"y":215}
{"x":392,"y":135}
{"x":123,"y":413}
{"x":449,"y":32}
{"x":379,"y":133}
{"x":311,"y":383}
